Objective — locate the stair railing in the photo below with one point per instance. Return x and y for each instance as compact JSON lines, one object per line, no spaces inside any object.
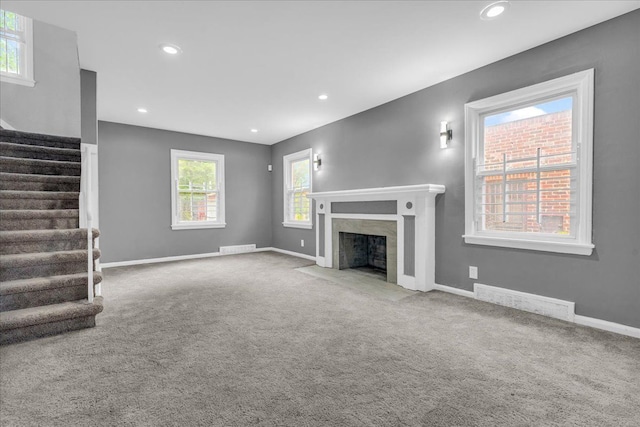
{"x":85,"y":202}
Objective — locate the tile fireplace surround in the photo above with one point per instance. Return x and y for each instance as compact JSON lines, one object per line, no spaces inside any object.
{"x":406,"y":214}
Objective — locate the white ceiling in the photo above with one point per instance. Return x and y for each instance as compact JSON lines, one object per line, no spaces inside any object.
{"x":262,"y":64}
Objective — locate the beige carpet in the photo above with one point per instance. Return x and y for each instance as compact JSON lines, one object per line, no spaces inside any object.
{"x":248,"y":340}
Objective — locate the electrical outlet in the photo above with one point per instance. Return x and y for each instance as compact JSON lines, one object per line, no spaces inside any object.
{"x":302,"y":243}
{"x":473,"y":272}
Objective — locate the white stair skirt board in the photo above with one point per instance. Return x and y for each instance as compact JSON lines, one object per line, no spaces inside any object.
{"x":6,"y":125}
{"x":574,"y":318}
{"x":237,"y":249}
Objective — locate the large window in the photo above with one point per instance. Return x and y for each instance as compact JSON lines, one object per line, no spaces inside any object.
{"x":197,"y":191}
{"x":529,"y":167}
{"x":297,"y":185}
{"x":16,"y":48}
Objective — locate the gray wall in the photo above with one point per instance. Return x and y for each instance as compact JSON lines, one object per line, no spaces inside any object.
{"x":53,"y":105}
{"x":89,"y":103}
{"x":135,"y":194}
{"x":397,"y":144}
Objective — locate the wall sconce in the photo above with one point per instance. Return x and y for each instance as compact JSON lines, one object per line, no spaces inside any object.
{"x":446,"y":134}
{"x":317,"y":162}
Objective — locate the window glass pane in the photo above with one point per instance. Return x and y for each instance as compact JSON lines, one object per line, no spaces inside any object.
{"x":299,"y":205}
{"x":525,"y":179}
{"x":196,"y":175}
{"x":519,"y":133}
{"x":198,"y":206}
{"x":300,"y":173}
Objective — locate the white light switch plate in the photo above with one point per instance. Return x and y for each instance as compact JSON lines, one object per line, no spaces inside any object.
{"x":473,"y":272}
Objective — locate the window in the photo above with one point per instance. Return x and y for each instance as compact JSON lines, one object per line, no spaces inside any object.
{"x":528,"y":167}
{"x":297,"y":185}
{"x":197,"y":191}
{"x":16,"y":49}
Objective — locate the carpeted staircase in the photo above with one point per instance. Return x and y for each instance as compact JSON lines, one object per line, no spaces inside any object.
{"x":43,"y":253}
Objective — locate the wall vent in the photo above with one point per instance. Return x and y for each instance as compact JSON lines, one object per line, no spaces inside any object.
{"x":237,"y":249}
{"x":537,"y":304}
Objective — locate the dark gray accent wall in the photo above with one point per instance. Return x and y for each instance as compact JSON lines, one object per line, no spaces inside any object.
{"x":53,"y":105}
{"x":321,"y":235}
{"x":409,"y":245}
{"x":397,"y":144}
{"x":375,"y":207}
{"x":89,"y":98}
{"x":135,"y":194}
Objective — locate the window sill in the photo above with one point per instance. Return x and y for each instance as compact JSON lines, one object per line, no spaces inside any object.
{"x":306,"y":225}
{"x":197,"y":226}
{"x":534,"y":245}
{"x":17,"y":80}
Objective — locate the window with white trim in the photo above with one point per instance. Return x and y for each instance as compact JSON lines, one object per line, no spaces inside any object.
{"x":528,"y":167}
{"x":197,"y":190}
{"x":297,"y":185}
{"x":16,"y":48}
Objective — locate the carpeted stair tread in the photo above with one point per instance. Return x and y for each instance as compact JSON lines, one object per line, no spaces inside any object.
{"x":40,"y":258}
{"x":28,"y":138}
{"x":42,"y":195}
{"x":44,"y":283}
{"x":34,"y":182}
{"x":40,"y":167}
{"x":38,"y":214}
{"x":7,"y":237}
{"x":30,"y":241}
{"x":11,"y":199}
{"x":38,"y":219}
{"x":26,"y":317}
{"x":10,"y":149}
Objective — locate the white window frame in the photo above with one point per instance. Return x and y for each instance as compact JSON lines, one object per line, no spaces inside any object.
{"x":579,"y":85}
{"x":176,"y":224}
{"x":286,"y":163}
{"x":26,"y":58}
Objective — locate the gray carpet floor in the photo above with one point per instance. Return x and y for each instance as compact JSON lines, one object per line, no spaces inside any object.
{"x":249,"y":340}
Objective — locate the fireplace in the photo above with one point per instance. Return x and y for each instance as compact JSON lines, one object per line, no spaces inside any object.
{"x":402,"y":219}
{"x":363,"y":251}
{"x":345,"y":242}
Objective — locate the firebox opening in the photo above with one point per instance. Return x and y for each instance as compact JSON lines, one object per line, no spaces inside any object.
{"x":364,"y":252}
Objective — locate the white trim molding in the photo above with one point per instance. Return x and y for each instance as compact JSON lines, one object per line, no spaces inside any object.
{"x":577,"y":319}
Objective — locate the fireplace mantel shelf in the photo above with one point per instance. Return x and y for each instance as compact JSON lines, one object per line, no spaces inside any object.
{"x":380,"y":193}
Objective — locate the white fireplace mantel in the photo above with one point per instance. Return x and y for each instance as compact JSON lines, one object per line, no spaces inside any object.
{"x":413,"y":202}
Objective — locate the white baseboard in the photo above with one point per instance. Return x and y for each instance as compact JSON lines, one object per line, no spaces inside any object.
{"x":298,"y":254}
{"x":453,"y":290}
{"x":157,"y":260}
{"x":607,"y":326}
{"x":577,"y":319}
{"x":197,"y":256}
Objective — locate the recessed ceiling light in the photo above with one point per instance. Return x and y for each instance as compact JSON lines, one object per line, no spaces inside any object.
{"x":494,"y":10}
{"x":171,"y":49}
{"x":142,"y":110}
{"x":323,"y":97}
{"x":254,"y":130}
